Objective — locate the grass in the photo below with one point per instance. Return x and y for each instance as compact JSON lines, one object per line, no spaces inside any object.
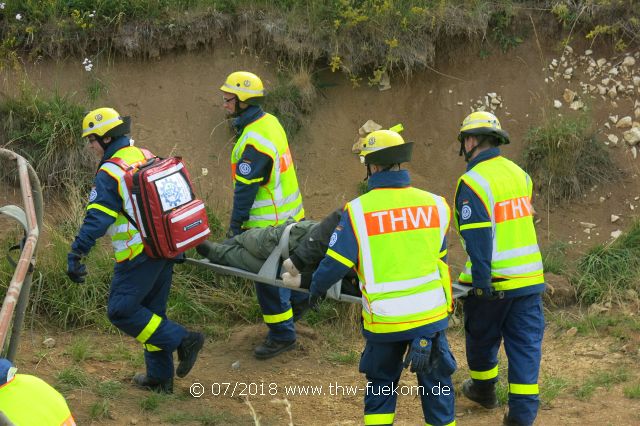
{"x":203,"y":418}
{"x":80,"y":349}
{"x":564,"y":159}
{"x":551,"y":387}
{"x":108,"y":389}
{"x":350,"y":357}
{"x":632,"y":391}
{"x":618,"y":325}
{"x":153,"y":401}
{"x":71,"y":378}
{"x":608,"y":272}
{"x":100,"y":410}
{"x":604,"y":379}
{"x":554,"y":258}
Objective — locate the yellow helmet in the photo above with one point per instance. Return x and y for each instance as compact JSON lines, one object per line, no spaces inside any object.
{"x":244,"y":85}
{"x":385,"y":147}
{"x":482,"y":123}
{"x":105,"y":122}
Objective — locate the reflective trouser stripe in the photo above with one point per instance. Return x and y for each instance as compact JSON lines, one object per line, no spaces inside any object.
{"x":475,"y":225}
{"x":149,"y":329}
{"x":484,"y":375}
{"x":453,"y":423}
{"x":272,"y":319}
{"x":150,"y":348}
{"x":520,"y":389}
{"x":379,"y":419}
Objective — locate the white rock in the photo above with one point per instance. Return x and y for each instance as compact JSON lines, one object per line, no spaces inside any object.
{"x":613,"y":139}
{"x":557,"y":104}
{"x":613,"y":118}
{"x":554,"y":63}
{"x":587,"y":225}
{"x":629,"y":61}
{"x":587,"y":231}
{"x":602,"y":90}
{"x":546,"y":80}
{"x":492,"y":95}
{"x":624,"y":122}
{"x":637,"y":112}
{"x":568,"y":71}
{"x":49,"y":342}
{"x":613,"y":71}
{"x":605,"y":81}
{"x":567,"y":76}
{"x":576,"y":105}
{"x":615,"y":234}
{"x":614,"y":104}
{"x":236,"y":365}
{"x":568,"y":49}
{"x":602,"y":199}
{"x":634,"y":153}
{"x":607,"y":125}
{"x":495,"y":101}
{"x":614,"y":218}
{"x":450,"y":91}
{"x":612,"y":93}
{"x":588,"y":52}
{"x":636,"y":80}
{"x":460,"y":103}
{"x":601,"y":62}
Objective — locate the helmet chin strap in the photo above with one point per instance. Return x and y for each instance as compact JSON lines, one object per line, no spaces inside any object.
{"x":100,"y":140}
{"x":467,"y":155}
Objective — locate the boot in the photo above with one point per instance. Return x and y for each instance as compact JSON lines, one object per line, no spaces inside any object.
{"x":157,"y":385}
{"x":507,"y":421}
{"x":270,"y":348}
{"x":188,"y":352}
{"x":484,"y":394}
{"x":204,"y":248}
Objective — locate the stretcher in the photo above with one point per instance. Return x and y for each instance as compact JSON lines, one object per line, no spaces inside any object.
{"x":268,"y":274}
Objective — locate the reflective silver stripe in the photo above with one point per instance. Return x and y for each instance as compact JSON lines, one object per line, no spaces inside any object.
{"x":389,"y":286}
{"x":244,"y":90}
{"x":487,"y":189}
{"x":516,"y":252}
{"x":139,"y":218}
{"x":367,"y":264}
{"x":520,"y":269}
{"x":195,"y":237}
{"x":443,"y":216}
{"x":278,"y":203}
{"x":167,"y":172}
{"x":120,"y":245}
{"x":467,"y":270}
{"x":494,"y":125}
{"x":115,"y":170}
{"x":102,"y":124}
{"x":187,"y":213}
{"x":276,"y":157}
{"x":408,"y":305}
{"x":279,"y":217}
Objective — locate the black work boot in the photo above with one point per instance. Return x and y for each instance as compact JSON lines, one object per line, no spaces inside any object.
{"x":153,"y":384}
{"x":188,"y":352}
{"x":204,"y":248}
{"x":482,"y":393}
{"x":270,"y":348}
{"x":507,"y":421}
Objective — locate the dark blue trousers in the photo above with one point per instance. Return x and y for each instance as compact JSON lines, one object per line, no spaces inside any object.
{"x":137,"y":306}
{"x":381,"y":362}
{"x":520,"y":322}
{"x":275,"y":303}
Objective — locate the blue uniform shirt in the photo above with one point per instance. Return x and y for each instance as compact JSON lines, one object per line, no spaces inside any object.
{"x":344,"y":242}
{"x":104,"y":193}
{"x":479,"y":241}
{"x":258,"y":171}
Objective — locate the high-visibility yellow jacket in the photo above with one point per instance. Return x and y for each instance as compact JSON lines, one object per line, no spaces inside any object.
{"x":29,"y":401}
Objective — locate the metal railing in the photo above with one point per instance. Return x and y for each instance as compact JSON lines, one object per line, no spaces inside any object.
{"x":15,"y":302}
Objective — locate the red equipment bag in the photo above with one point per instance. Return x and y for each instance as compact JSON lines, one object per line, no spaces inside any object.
{"x":168,"y":216}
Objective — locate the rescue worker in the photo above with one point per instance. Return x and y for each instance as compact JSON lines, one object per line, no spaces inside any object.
{"x":140,"y":285}
{"x":493,"y":215}
{"x":29,"y":400}
{"x":266,"y":193}
{"x":395,"y":238}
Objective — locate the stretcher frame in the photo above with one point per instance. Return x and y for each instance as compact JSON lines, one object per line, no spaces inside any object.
{"x":268,"y":274}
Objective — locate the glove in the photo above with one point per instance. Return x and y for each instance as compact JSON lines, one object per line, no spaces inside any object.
{"x":486,"y":293}
{"x":442,"y":360}
{"x":419,"y":355}
{"x":181,"y":258}
{"x":290,"y":280}
{"x":315,"y":300}
{"x":76,"y":271}
{"x":289,"y":267}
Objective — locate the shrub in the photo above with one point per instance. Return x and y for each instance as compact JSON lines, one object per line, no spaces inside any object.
{"x":564,"y":159}
{"x":606,"y":272}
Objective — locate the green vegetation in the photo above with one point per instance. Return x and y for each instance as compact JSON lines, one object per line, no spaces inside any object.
{"x":633,"y":391}
{"x":564,"y":159}
{"x":350,"y":357}
{"x":70,"y":378}
{"x":551,"y":387}
{"x":100,"y":410}
{"x":203,"y":418}
{"x":554,"y":257}
{"x":108,"y":389}
{"x":80,"y":349}
{"x":608,"y":272}
{"x":153,"y":401}
{"x":604,"y":379}
{"x":623,"y":327}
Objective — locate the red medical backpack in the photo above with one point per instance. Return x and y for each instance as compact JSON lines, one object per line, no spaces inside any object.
{"x":168,"y":216}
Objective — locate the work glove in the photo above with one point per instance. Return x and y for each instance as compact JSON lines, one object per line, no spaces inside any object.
{"x":76,"y":271}
{"x":486,"y":293}
{"x":418,"y":356}
{"x":289,"y":267}
{"x":315,"y":299}
{"x":442,"y":360}
{"x":292,"y":281}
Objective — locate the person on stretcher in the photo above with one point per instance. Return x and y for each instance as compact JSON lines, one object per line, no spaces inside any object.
{"x":308,"y":242}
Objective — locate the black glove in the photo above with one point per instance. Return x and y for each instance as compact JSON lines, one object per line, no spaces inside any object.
{"x":234,"y":229}
{"x":76,"y":271}
{"x":315,"y":300}
{"x":442,"y":360}
{"x":418,"y":355}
